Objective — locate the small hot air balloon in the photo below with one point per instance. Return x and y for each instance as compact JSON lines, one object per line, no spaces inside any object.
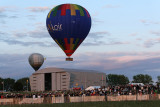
{"x":68,"y":25}
{"x":36,"y":60}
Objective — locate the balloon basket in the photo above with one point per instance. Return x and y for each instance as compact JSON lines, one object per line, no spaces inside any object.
{"x":69,"y":59}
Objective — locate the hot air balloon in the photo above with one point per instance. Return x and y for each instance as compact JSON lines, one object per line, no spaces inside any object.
{"x":36,"y":60}
{"x":68,"y":25}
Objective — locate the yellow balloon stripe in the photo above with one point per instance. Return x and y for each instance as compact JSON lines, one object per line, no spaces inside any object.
{"x":76,"y":7}
{"x":59,"y":44}
{"x":73,"y":11}
{"x":50,"y":13}
{"x":71,"y":43}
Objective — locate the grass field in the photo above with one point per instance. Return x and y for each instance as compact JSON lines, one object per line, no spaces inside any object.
{"x":95,"y":104}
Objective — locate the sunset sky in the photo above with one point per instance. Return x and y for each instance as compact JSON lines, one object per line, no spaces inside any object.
{"x":124,"y":37}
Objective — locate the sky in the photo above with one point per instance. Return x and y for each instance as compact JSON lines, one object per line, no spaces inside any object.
{"x":124,"y":37}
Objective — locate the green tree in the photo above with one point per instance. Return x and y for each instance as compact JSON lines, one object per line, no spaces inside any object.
{"x":18,"y":86}
{"x":141,"y":78}
{"x":25,"y":81}
{"x":8,"y":84}
{"x":114,"y":79}
{"x":123,"y":80}
{"x":1,"y":84}
{"x":158,"y":77}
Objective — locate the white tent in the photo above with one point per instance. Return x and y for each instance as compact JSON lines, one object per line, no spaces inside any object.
{"x":92,"y":87}
{"x":141,"y":84}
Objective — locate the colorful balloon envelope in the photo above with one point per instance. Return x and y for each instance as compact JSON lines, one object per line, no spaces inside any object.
{"x":68,"y":25}
{"x":36,"y":60}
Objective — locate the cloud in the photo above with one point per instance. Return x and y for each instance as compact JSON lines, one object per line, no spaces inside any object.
{"x":129,"y":64}
{"x":155,"y":33}
{"x":111,"y":6}
{"x":98,"y":35}
{"x":125,"y":59}
{"x":19,"y":39}
{"x":13,"y":17}
{"x":8,"y":8}
{"x":14,"y":66}
{"x":2,"y":33}
{"x":3,"y":15}
{"x":118,"y":43}
{"x":143,"y":21}
{"x":123,"y":63}
{"x":3,"y":18}
{"x":25,"y":43}
{"x":38,"y":9}
{"x":2,"y":22}
{"x":151,"y":42}
{"x":94,"y":38}
{"x":139,"y":39}
{"x":133,"y":34}
{"x":99,"y":43}
{"x":2,"y":9}
{"x":97,"y":39}
{"x":149,"y":22}
{"x":95,"y":14}
{"x":33,"y":34}
{"x":41,"y":33}
{"x":96,"y":21}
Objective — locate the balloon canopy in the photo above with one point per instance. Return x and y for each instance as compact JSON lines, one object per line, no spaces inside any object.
{"x":36,"y":60}
{"x":68,"y":25}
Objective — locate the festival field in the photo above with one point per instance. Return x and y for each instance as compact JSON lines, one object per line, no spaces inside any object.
{"x":95,"y":104}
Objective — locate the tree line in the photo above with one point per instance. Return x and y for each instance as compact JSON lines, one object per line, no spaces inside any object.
{"x":114,"y":79}
{"x":9,"y":84}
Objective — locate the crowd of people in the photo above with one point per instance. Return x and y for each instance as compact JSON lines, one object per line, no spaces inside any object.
{"x":133,"y":89}
{"x":104,"y":91}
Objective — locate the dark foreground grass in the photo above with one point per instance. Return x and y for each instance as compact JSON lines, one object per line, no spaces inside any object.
{"x":95,"y":104}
